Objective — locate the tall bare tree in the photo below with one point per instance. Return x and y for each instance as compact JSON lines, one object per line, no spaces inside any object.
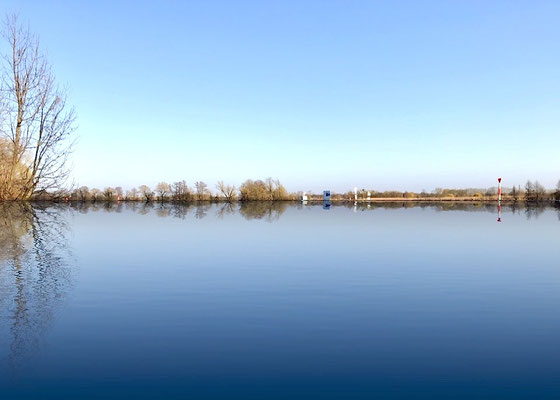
{"x":146,"y":193}
{"x":529,"y":191}
{"x":228,"y":191}
{"x":83,"y":193}
{"x":95,"y":194}
{"x":37,"y":122}
{"x":201,"y":190}
{"x":163,"y":189}
{"x":181,"y":191}
{"x":109,"y":194}
{"x":131,"y":194}
{"x":540,"y":191}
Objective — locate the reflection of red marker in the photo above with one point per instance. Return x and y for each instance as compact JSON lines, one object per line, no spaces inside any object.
{"x":66,"y":199}
{"x":499,"y":212}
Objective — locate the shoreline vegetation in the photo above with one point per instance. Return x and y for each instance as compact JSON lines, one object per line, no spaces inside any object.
{"x":272,"y":190}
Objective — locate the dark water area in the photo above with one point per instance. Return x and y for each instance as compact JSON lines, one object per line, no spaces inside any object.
{"x":276,"y":301}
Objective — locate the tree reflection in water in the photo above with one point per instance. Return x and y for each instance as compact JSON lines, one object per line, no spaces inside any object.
{"x":36,"y":273}
{"x":268,"y":210}
{"x":225,"y":209}
{"x":534,"y":210}
{"x":272,"y":211}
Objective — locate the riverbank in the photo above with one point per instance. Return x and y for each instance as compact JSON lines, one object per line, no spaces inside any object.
{"x":316,"y":200}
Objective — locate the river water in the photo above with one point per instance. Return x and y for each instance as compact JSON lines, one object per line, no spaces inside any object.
{"x":278,"y":300}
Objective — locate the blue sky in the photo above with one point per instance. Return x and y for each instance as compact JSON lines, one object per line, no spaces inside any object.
{"x":320,"y":94}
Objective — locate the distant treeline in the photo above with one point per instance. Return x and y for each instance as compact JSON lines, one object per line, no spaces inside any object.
{"x":260,"y":190}
{"x":272,"y":190}
{"x":532,"y":192}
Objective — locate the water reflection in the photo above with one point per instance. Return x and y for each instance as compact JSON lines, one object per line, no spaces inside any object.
{"x":180,"y":211}
{"x":269,"y":211}
{"x":201,"y":210}
{"x":272,"y":211}
{"x":397,"y":284}
{"x":35,"y":275}
{"x":534,"y":210}
{"x":163,"y":212}
{"x":225,"y":209}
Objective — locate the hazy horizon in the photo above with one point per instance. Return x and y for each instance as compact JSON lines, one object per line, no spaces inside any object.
{"x":320,"y":95}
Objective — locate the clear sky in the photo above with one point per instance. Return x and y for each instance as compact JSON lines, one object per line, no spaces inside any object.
{"x":320,"y":94}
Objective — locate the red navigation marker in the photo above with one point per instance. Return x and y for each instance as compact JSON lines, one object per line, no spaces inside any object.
{"x":499,"y":189}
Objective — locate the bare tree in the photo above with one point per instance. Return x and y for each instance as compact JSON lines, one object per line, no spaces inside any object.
{"x":228,"y":191}
{"x":83,"y":193}
{"x":540,"y":191}
{"x":270,"y":187}
{"x":162,"y":189}
{"x":38,"y":123}
{"x":109,"y":194}
{"x":132,"y":194}
{"x":95,"y":194}
{"x":181,"y":191}
{"x":146,"y":193}
{"x":201,"y":190}
{"x":529,"y":191}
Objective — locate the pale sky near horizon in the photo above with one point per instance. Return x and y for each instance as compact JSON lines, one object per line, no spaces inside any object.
{"x":406,"y":95}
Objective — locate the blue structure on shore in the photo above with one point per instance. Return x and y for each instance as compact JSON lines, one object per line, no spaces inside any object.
{"x":326,"y":199}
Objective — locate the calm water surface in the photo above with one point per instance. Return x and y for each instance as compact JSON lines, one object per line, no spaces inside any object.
{"x":267,"y":301}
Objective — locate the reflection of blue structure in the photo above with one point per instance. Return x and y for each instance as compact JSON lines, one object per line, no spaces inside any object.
{"x":326,"y":199}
